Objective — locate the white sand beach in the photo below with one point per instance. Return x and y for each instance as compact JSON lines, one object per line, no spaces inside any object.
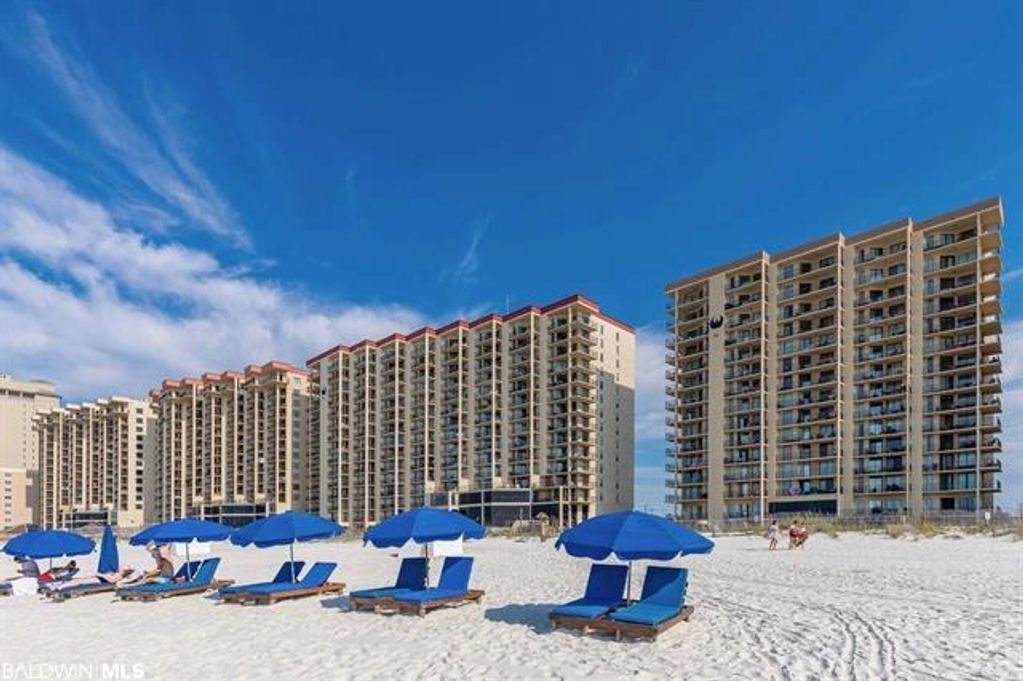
{"x":856,"y":607}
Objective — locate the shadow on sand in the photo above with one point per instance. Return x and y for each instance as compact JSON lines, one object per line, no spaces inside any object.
{"x":532,"y":615}
{"x":337,"y":603}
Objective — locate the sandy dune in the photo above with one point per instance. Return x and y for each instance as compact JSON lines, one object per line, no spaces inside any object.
{"x":858,"y":607}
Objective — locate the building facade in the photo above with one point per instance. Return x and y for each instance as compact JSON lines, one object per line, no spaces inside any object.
{"x":18,"y":497}
{"x":19,"y":455}
{"x":92,"y":460}
{"x":230,"y":446}
{"x":851,"y":376}
{"x":504,"y":417}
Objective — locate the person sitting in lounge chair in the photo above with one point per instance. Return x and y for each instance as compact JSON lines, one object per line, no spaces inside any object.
{"x":163,"y":573}
{"x":26,"y":568}
{"x":26,"y":582}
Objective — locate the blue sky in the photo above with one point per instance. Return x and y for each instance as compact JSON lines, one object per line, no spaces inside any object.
{"x":194,"y":186}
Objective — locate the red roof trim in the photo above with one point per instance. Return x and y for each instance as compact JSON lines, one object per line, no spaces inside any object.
{"x":492,"y":317}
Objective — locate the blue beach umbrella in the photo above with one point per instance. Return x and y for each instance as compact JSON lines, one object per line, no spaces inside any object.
{"x":108,"y":558}
{"x":286,"y":528}
{"x":182,"y":531}
{"x":632,"y":535}
{"x":49,"y":544}
{"x":423,"y":526}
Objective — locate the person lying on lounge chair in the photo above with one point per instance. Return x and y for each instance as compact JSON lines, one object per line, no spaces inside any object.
{"x":125,"y":577}
{"x":128,"y":576}
{"x":61,"y":573}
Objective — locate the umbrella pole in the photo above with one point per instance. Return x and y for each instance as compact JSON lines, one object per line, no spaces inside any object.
{"x":291,"y":550}
{"x":188,"y":562}
{"x":628,"y":585}
{"x":426,"y":554}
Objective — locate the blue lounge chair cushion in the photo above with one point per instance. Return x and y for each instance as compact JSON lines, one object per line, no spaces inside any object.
{"x":430,"y":595}
{"x":283,"y":576}
{"x":664,"y":595}
{"x":385,"y":592}
{"x":412,"y":574}
{"x":665,"y":586}
{"x":187,"y":569}
{"x":317,"y":576}
{"x":454,"y":582}
{"x":455,"y":573}
{"x":605,"y":589}
{"x":203,"y":577}
{"x":411,"y":577}
{"x":583,"y":609}
{"x":645,"y":613}
{"x":606,"y":583}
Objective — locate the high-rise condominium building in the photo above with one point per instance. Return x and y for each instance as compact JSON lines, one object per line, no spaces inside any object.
{"x":92,"y":461}
{"x":503,"y":418}
{"x":18,"y":497}
{"x":19,"y":454}
{"x":230,"y":446}
{"x":851,"y":375}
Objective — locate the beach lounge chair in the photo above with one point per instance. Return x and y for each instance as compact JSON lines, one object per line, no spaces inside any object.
{"x":661,"y":606}
{"x":313,"y":584}
{"x":411,"y":577}
{"x":202,"y":580}
{"x":63,"y":593}
{"x":605,"y":589}
{"x":283,"y":576}
{"x":452,"y":589}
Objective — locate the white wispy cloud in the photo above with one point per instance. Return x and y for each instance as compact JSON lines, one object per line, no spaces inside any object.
{"x":650,"y":414}
{"x":102,"y":308}
{"x":650,"y":384}
{"x":466,"y":272}
{"x":157,"y":155}
{"x":1013,"y":274}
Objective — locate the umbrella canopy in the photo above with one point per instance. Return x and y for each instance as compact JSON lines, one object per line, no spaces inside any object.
{"x":49,"y":544}
{"x":285,"y":528}
{"x":183,"y":530}
{"x":108,"y":559}
{"x":632,"y":535}
{"x":422,"y":526}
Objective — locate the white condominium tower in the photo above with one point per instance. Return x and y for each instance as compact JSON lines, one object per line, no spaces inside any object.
{"x":504,"y":418}
{"x":92,"y":460}
{"x":851,"y":375}
{"x":230,"y":446}
{"x":19,"y":458}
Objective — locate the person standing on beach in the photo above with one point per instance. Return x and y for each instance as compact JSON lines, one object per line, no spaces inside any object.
{"x":773,"y":534}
